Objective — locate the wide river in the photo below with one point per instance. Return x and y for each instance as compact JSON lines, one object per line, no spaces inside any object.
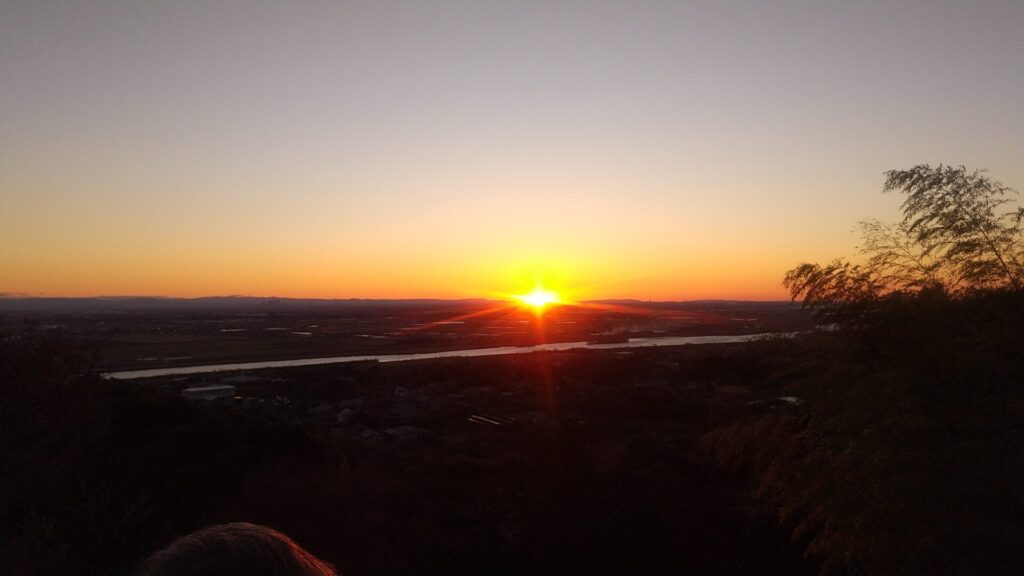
{"x":554,"y":346}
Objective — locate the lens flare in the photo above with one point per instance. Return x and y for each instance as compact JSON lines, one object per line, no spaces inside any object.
{"x":539,"y":298}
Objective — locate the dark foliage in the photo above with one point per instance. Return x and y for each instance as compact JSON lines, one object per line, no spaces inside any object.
{"x":956,"y":237}
{"x":905,"y":451}
{"x":906,"y":455}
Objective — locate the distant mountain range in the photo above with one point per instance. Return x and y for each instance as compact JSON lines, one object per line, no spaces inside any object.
{"x":158,"y":303}
{"x":26,"y":303}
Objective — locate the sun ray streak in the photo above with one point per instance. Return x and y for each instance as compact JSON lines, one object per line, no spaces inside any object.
{"x":459,"y":318}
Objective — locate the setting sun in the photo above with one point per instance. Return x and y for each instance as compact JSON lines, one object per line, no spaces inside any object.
{"x":539,"y":298}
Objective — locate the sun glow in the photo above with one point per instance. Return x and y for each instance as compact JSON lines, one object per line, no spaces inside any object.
{"x":539,"y":298}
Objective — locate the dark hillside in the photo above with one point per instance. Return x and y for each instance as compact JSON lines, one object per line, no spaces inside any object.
{"x":906,"y":455}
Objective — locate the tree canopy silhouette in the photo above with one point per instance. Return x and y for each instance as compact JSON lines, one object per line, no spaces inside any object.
{"x":956,"y":236}
{"x":915,"y":404}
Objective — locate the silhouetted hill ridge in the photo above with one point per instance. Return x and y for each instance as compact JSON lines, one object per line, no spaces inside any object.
{"x":24,"y":303}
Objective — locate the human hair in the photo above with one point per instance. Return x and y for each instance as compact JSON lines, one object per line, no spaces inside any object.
{"x":237,"y":548}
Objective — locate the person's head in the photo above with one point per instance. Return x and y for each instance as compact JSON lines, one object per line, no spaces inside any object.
{"x":238,"y":548}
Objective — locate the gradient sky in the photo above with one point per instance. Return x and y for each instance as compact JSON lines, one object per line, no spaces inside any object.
{"x":661,"y":150}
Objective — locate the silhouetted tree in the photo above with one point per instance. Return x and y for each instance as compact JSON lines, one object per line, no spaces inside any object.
{"x":906,"y":407}
{"x":840,"y":290}
{"x":956,"y":215}
{"x":900,"y":261}
{"x":956,"y":236}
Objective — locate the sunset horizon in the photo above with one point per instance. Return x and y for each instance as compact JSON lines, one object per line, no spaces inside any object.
{"x":663,"y":151}
{"x":556,"y":287}
{"x":486,"y":297}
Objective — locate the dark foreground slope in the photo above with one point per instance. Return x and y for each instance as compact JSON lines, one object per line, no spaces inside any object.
{"x":546,"y":464}
{"x":906,"y":455}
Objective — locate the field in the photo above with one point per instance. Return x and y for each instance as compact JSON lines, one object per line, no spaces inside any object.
{"x":129,"y":334}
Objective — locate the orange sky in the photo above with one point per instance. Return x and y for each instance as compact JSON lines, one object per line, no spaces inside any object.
{"x":650,"y":151}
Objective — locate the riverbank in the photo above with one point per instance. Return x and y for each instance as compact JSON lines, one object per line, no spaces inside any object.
{"x":465,"y":353}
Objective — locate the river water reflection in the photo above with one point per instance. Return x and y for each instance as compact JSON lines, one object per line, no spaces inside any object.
{"x":503,"y":350}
